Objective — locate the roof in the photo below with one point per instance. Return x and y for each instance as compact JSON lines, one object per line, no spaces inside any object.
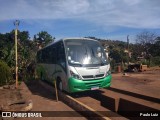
{"x":73,"y":38}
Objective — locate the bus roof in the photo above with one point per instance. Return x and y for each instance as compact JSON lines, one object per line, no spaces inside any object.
{"x":76,"y":38}
{"x":64,"y":39}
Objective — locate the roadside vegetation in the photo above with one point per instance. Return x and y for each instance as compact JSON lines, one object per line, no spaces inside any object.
{"x":145,"y":50}
{"x":27,"y":49}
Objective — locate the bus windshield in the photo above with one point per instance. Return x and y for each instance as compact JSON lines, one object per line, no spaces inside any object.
{"x":85,"y":53}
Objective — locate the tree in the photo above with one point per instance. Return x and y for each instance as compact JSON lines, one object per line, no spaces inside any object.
{"x":26,"y":49}
{"x":118,"y":55}
{"x":146,"y":37}
{"x":155,"y":48}
{"x":43,"y":38}
{"x":148,"y":45}
{"x":145,"y":40}
{"x":7,"y":48}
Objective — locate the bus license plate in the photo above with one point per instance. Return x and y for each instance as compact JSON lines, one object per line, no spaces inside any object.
{"x":94,"y":88}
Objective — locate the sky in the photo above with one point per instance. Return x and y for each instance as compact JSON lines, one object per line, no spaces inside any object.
{"x":106,"y":19}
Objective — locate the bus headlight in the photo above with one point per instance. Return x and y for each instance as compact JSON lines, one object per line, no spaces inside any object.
{"x":108,"y":72}
{"x":74,"y":75}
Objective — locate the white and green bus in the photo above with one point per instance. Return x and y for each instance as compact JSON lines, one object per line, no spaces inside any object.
{"x":77,"y":64}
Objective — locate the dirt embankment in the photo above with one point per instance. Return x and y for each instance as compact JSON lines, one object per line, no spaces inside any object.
{"x":32,"y":96}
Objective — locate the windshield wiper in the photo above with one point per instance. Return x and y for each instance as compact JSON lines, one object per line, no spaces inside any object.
{"x":75,"y":63}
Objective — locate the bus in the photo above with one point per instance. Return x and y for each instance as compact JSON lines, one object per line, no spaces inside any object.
{"x":77,"y":64}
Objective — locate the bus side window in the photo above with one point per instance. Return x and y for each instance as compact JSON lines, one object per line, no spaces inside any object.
{"x":61,"y":55}
{"x":42,"y":57}
{"x":47,"y":55}
{"x":38,"y":57}
{"x":53,"y":55}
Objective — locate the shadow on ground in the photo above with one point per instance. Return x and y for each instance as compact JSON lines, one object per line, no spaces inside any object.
{"x":127,"y":108}
{"x":152,"y":99}
{"x":37,"y":89}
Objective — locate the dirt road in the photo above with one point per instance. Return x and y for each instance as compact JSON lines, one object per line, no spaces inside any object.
{"x":145,"y":83}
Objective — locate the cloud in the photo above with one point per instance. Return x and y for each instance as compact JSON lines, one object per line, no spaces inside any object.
{"x":104,"y":13}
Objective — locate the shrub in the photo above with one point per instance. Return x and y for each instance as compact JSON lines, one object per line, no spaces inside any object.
{"x":5,"y":73}
{"x":145,"y":62}
{"x":156,"y":61}
{"x":39,"y":71}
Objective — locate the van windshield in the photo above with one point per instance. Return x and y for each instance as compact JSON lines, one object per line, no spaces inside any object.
{"x":85,"y":53}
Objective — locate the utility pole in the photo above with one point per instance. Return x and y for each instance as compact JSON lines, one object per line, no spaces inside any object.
{"x":16,"y":23}
{"x":128,"y":47}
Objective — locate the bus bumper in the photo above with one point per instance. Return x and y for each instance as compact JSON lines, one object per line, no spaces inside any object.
{"x":76,"y":85}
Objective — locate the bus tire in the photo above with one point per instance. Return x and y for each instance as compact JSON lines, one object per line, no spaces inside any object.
{"x":59,"y":85}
